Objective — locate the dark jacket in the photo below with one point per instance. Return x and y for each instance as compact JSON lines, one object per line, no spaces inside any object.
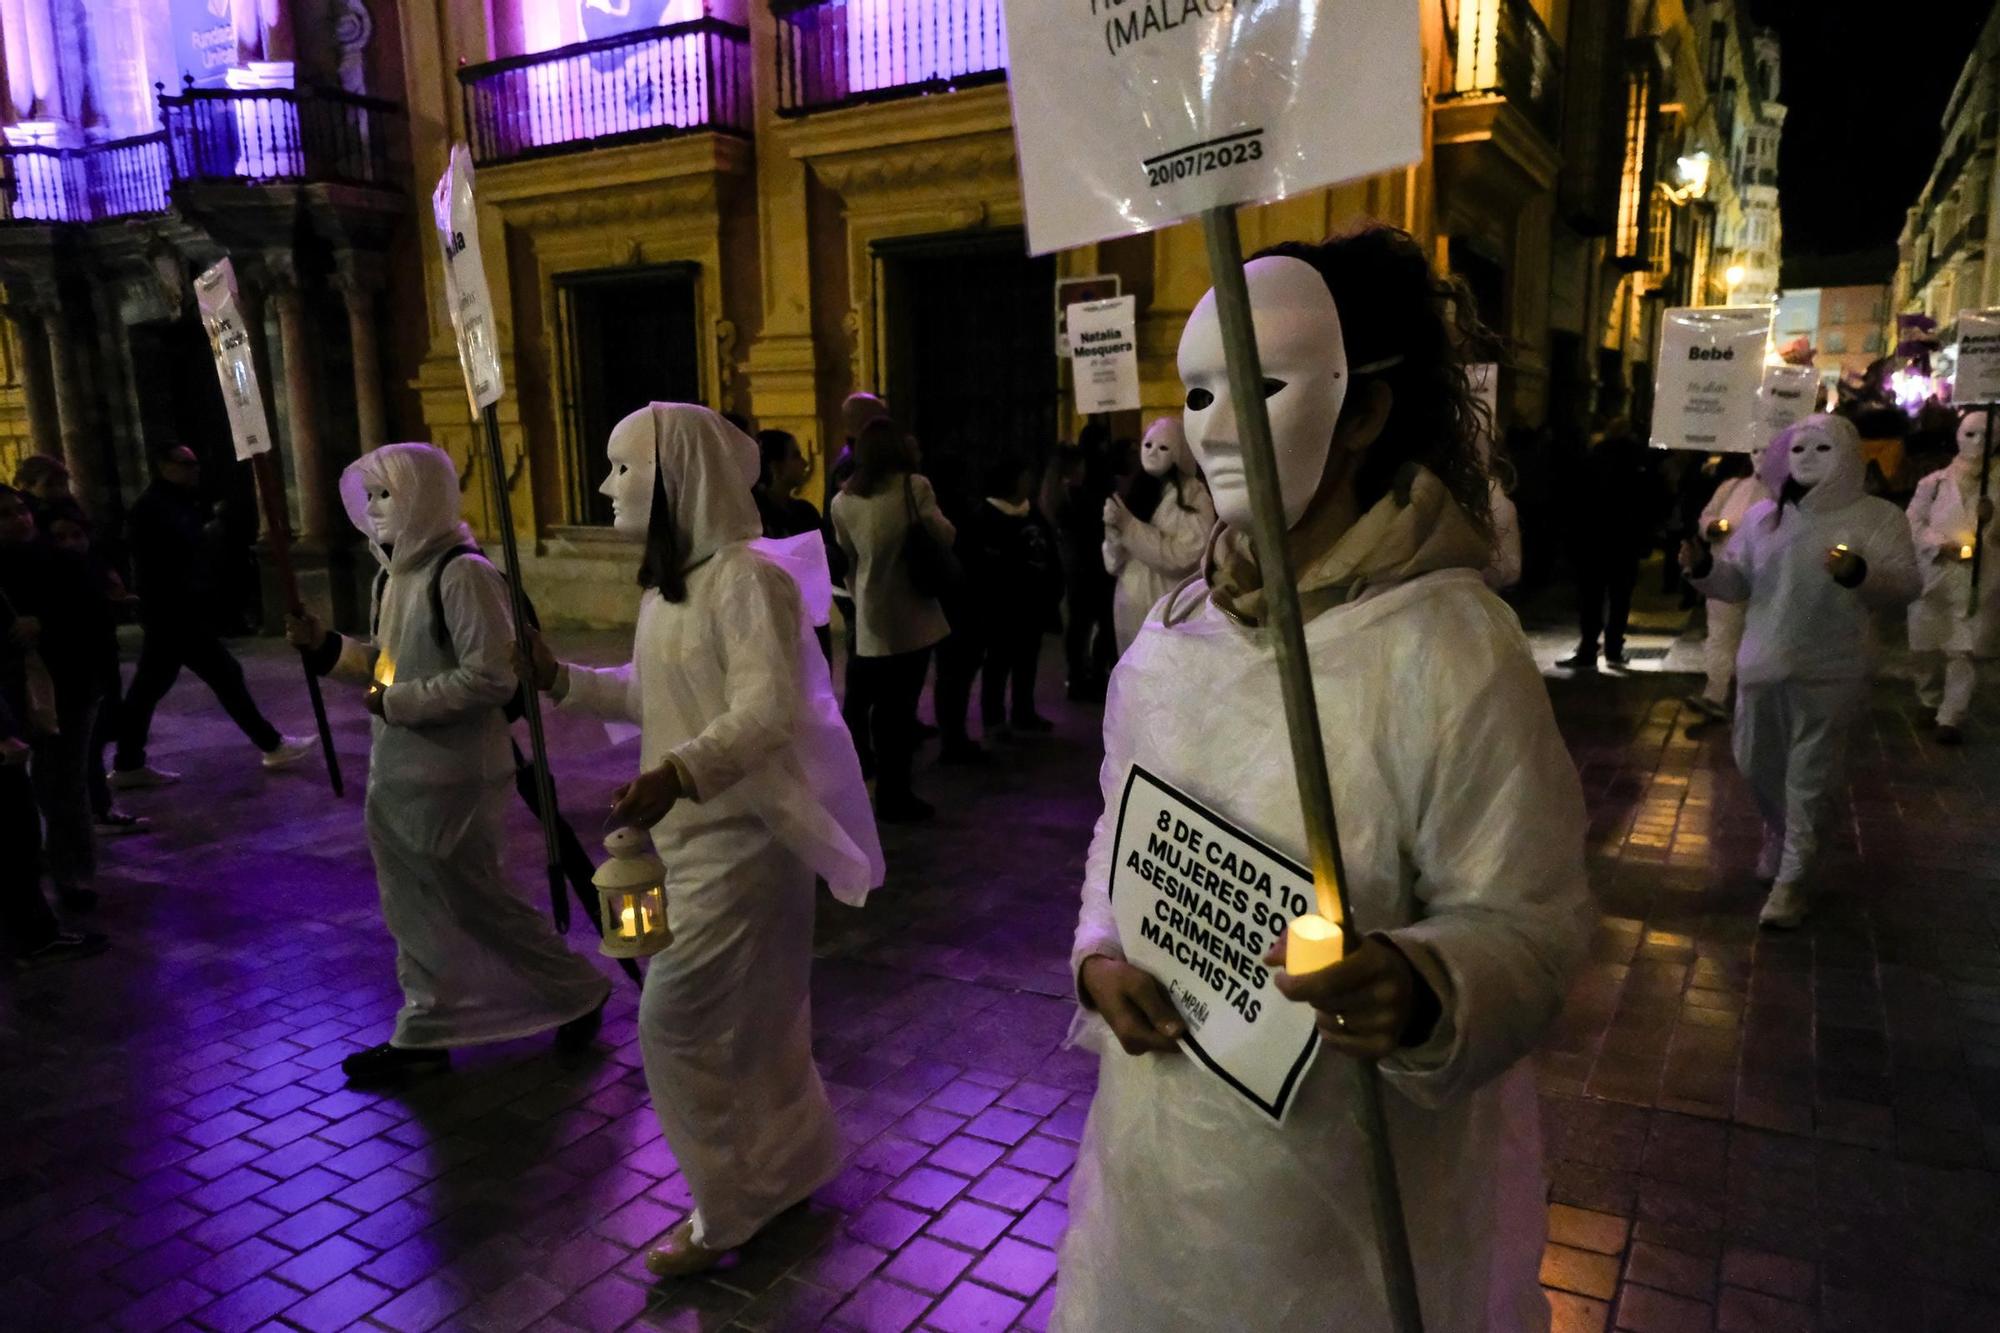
{"x":59,"y":591}
{"x":1013,"y":567}
{"x":173,"y":559}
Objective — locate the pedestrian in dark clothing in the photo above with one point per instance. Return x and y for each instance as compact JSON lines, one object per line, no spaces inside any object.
{"x":785,"y":512}
{"x":177,"y":590}
{"x":33,"y":933}
{"x":1017,"y":576}
{"x":1080,"y":479}
{"x":1617,"y":506}
{"x":963,"y":652}
{"x":68,"y":531}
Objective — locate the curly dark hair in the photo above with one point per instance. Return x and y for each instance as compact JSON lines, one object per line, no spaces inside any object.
{"x":1393,"y":304}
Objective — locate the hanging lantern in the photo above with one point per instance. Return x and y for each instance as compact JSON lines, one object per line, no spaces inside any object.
{"x":632,"y":897}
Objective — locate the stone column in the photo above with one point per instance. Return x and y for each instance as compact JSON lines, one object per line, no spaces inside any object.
{"x":359,"y":278}
{"x":32,"y":348}
{"x":308,"y":458}
{"x":68,"y":366}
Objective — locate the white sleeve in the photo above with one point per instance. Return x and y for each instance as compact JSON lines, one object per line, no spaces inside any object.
{"x":757,"y":634}
{"x":611,"y":692}
{"x":1893,"y":577}
{"x":482,"y":638}
{"x":1504,"y":902}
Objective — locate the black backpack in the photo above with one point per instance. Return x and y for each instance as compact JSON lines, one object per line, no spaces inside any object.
{"x":516,"y":707}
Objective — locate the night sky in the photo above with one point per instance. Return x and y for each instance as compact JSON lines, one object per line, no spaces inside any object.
{"x":1865,"y":85}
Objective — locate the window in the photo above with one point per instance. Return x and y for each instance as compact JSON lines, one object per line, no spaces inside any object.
{"x":1836,"y":342}
{"x":1873,"y":345}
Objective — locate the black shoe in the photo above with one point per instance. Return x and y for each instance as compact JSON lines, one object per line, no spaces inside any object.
{"x":1578,"y":661}
{"x":67,"y":946}
{"x":575,"y":1036}
{"x":905,"y":810}
{"x":1035,"y":723}
{"x":1615,"y":659}
{"x":964,"y":752}
{"x":385,"y":1066}
{"x":1948,"y":735}
{"x":77,"y":900}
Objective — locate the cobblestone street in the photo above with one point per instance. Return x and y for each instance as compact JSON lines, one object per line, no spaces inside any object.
{"x":1745,"y":1131}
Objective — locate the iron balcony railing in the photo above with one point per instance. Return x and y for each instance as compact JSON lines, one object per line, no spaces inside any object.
{"x":679,"y":79}
{"x":1500,"y":48}
{"x":269,"y":135}
{"x":123,"y":178}
{"x":842,"y":52}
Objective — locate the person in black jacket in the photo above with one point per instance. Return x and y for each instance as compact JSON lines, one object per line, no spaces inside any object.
{"x":175,"y":570}
{"x":1617,"y":507}
{"x":1015,"y":565}
{"x":68,"y":531}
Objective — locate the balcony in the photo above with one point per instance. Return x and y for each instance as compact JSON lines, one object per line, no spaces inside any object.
{"x":280,"y":136}
{"x":97,"y":183}
{"x":1499,"y":48}
{"x":680,"y":79}
{"x":846,"y":52}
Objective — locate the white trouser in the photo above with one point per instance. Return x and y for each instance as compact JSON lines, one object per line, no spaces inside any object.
{"x":1945,"y":681}
{"x":1725,"y":636}
{"x":1791,"y":745}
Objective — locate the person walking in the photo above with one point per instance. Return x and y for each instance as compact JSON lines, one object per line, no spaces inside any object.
{"x":174,"y":567}
{"x":896,"y":626}
{"x":33,"y":933}
{"x":1617,"y":507}
{"x":1951,"y":632}
{"x":1015,"y":571}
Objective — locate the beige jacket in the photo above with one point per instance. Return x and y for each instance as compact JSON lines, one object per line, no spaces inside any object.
{"x":891,"y":616}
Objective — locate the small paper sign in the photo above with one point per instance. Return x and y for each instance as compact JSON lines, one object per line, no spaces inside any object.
{"x":1132,"y":114}
{"x":1977,"y":379}
{"x":1786,"y":395}
{"x":1706,"y":381}
{"x":235,"y":363}
{"x":470,"y":304}
{"x":1076,"y":291}
{"x":1198,"y":901}
{"x":1104,"y":350}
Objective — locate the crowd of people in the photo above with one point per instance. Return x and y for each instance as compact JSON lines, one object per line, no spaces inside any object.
{"x":754,"y":782}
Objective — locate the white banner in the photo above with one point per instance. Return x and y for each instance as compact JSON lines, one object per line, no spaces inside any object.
{"x":1198,"y":901}
{"x":465,"y":293}
{"x":1132,"y":114}
{"x":1786,"y":395}
{"x":1705,"y":383}
{"x":1104,"y":352}
{"x":1977,"y":379}
{"x":235,"y":363}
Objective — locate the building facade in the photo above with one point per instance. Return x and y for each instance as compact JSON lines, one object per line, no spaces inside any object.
{"x":760,"y":206}
{"x":1945,"y":261}
{"x":1846,"y":327}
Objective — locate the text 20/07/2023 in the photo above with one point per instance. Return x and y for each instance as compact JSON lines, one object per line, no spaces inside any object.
{"x":1200,"y":159}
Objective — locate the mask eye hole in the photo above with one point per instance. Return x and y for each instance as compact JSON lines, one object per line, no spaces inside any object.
{"x":1272,"y":388}
{"x":1199,"y":400}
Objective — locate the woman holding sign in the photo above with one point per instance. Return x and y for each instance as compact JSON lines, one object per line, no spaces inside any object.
{"x":1196,"y":1206}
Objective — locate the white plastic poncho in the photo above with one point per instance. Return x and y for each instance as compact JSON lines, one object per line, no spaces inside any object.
{"x":730,"y":684}
{"x":1943,"y":515}
{"x":1800,"y":624}
{"x":1462,"y":822}
{"x":1731,"y":503}
{"x":1152,"y":556}
{"x":1503,"y":567}
{"x":475,"y":961}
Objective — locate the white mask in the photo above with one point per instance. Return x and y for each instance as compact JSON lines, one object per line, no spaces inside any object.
{"x":1972,"y":436}
{"x":1300,"y":344}
{"x":384,"y":518}
{"x":1156,"y":450}
{"x":1811,"y":460}
{"x":634,"y":462}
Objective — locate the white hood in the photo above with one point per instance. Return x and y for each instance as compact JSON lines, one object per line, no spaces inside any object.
{"x":707,"y":467}
{"x":1845,"y":484}
{"x":425,"y":484}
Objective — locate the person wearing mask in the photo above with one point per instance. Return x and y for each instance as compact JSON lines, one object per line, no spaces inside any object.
{"x":1617,"y":508}
{"x":1950,"y":630}
{"x":1016,"y":576}
{"x":59,"y":614}
{"x":750,"y":787}
{"x":1460,"y":812}
{"x":895,"y":625}
{"x":1811,"y":568}
{"x":172,"y":561}
{"x":68,"y":532}
{"x":1738,"y":492}
{"x":475,"y":962}
{"x":1155,"y":532}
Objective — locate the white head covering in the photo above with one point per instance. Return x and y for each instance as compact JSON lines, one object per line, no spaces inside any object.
{"x":707,"y":468}
{"x":1170,"y":429}
{"x":424,"y":482}
{"x":1845,"y":482}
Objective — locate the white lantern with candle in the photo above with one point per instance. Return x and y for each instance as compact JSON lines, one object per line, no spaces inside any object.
{"x":632,"y":897}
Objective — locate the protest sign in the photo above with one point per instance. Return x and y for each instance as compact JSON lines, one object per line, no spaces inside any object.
{"x":1977,"y":379}
{"x":466,"y":297}
{"x":1705,"y":383}
{"x":1132,"y":114}
{"x":1198,"y":901}
{"x":228,"y":337}
{"x":1077,"y":291}
{"x":1786,"y":395}
{"x":1104,"y":349}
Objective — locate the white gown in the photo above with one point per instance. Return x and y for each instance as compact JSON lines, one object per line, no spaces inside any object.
{"x":1944,"y":512}
{"x":1462,"y":822}
{"x":1150,"y":558}
{"x":1732,"y":501}
{"x":730,"y":684}
{"x":475,"y":960}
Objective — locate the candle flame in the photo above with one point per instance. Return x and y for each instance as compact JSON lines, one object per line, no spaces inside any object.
{"x":385,"y":670}
{"x":1965,"y":551}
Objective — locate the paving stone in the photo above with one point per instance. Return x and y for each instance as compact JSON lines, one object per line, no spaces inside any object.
{"x":927,"y":1265}
{"x":881,"y":1306}
{"x":972,"y":1308}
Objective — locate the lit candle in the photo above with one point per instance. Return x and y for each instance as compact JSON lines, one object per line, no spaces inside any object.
{"x":1311,"y":943}
{"x":1722,"y":525}
{"x":385,"y":671}
{"x":1965,"y":551}
{"x":628,"y":922}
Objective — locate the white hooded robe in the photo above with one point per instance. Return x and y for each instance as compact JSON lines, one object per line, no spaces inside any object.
{"x":730,"y":684}
{"x":1150,"y":557}
{"x":475,"y":961}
